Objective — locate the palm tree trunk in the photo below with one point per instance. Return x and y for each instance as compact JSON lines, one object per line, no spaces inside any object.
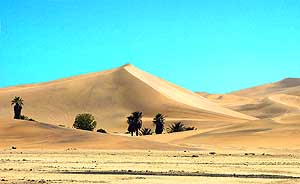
{"x":17,"y":111}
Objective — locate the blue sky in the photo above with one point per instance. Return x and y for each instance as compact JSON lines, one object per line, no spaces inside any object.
{"x":215,"y":46}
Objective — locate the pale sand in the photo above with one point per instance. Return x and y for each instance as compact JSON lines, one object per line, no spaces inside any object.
{"x":20,"y":167}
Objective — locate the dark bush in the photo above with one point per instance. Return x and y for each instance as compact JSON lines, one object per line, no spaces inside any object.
{"x":102,"y":131}
{"x":190,"y":128}
{"x":23,"y":117}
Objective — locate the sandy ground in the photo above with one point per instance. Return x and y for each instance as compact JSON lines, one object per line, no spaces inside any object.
{"x":75,"y":166}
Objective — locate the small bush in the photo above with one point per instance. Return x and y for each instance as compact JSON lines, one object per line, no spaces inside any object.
{"x":102,"y":131}
{"x":85,"y":122}
{"x":146,"y":131}
{"x":23,"y":117}
{"x":190,"y":128}
{"x":179,"y":127}
{"x":176,"y":127}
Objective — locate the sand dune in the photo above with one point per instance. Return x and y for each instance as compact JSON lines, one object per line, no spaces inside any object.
{"x":266,"y":108}
{"x":288,"y":100}
{"x":286,"y":86}
{"x":258,"y":134}
{"x":265,"y":101}
{"x":111,"y":96}
{"x":228,"y":100}
{"x":289,"y":118}
{"x":35,"y":135}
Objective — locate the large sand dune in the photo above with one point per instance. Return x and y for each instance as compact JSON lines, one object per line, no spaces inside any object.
{"x":111,"y":96}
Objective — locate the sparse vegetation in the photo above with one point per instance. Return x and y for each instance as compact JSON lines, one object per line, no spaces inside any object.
{"x":102,"y":131}
{"x":135,"y":122}
{"x":85,"y":122}
{"x":176,"y":127}
{"x":190,"y":128}
{"x":18,"y":105}
{"x":179,"y":127}
{"x":23,"y":117}
{"x":146,"y":131}
{"x":159,"y":121}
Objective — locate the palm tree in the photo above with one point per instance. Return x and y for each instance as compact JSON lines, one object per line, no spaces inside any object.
{"x":176,"y":127}
{"x":159,"y":121}
{"x":146,"y":131}
{"x":135,"y":122}
{"x":18,"y":104}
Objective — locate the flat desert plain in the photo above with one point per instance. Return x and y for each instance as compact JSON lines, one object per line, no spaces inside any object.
{"x":247,"y":136}
{"x":74,"y":166}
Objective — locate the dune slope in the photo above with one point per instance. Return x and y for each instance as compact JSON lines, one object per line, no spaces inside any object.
{"x":111,"y":96}
{"x":266,"y":101}
{"x":35,"y":135}
{"x":286,"y":86}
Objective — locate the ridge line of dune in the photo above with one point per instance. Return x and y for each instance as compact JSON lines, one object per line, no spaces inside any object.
{"x":56,"y":81}
{"x":191,"y":99}
{"x":277,"y":100}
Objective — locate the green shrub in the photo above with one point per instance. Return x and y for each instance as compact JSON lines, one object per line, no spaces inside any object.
{"x":85,"y":122}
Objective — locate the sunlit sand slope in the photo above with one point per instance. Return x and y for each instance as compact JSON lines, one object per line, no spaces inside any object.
{"x":111,"y":96}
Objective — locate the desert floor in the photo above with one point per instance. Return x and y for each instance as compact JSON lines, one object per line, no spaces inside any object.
{"x":76,"y":166}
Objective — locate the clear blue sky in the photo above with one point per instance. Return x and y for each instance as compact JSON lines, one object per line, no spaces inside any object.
{"x":215,"y":46}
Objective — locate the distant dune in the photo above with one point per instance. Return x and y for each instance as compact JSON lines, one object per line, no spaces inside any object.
{"x":265,"y":101}
{"x":286,"y":86}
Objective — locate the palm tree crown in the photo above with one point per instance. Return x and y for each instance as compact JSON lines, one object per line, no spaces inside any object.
{"x":17,"y":100}
{"x":18,"y":103}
